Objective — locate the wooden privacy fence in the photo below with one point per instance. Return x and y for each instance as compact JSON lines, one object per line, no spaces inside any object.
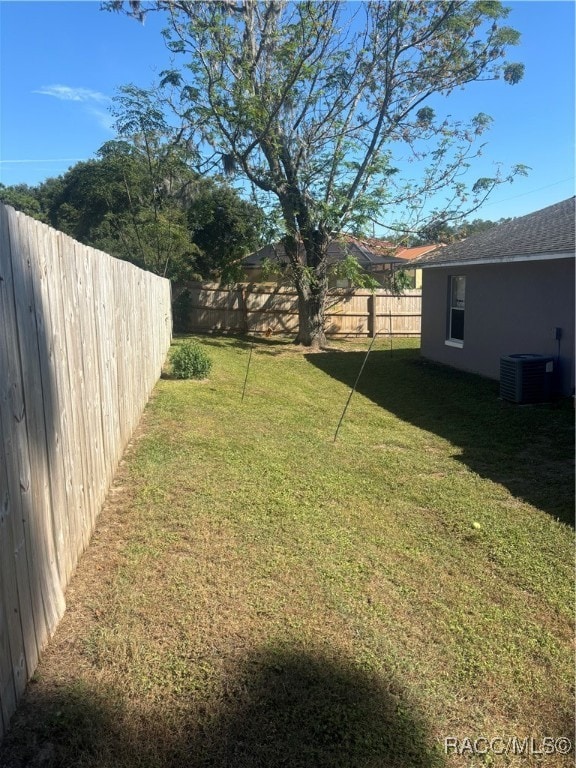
{"x":257,"y":308}
{"x":82,"y":340}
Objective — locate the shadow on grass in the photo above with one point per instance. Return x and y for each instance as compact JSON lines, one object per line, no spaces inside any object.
{"x":259,"y":343}
{"x":279,"y":707}
{"x":528,"y":449}
{"x":240,"y":341}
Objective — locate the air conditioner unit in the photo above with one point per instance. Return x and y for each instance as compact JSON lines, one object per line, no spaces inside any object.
{"x":526,"y":378}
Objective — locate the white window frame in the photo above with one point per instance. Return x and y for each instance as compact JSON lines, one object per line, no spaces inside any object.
{"x":456,"y":303}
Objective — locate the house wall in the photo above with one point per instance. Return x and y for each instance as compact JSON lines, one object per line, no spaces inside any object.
{"x":510,"y":308}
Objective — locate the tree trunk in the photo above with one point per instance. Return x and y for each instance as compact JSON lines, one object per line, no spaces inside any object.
{"x":306,"y":248}
{"x":311,"y":312}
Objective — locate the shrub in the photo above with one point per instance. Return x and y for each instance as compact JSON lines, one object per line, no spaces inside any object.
{"x":190,"y":361}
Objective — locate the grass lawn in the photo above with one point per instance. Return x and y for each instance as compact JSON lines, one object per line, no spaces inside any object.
{"x":257,"y":594}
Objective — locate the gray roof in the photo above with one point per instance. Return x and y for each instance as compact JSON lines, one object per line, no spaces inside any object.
{"x":337,"y":251}
{"x":546,"y":233}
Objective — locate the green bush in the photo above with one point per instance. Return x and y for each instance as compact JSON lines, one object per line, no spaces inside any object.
{"x":190,"y":361}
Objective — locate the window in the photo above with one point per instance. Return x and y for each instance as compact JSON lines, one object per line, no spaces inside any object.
{"x":456,"y":310}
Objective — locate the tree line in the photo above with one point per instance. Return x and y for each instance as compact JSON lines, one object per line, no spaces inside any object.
{"x":190,"y":227}
{"x":148,"y":207}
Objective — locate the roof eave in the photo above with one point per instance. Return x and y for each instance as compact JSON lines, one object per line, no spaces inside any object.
{"x":496,"y":260}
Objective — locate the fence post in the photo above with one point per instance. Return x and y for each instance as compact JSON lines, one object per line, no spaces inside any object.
{"x":372,"y":315}
{"x":244,"y":308}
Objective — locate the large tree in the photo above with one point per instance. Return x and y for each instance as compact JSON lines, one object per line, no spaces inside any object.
{"x":314,"y":102}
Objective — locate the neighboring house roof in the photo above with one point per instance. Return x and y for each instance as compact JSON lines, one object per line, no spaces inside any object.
{"x":413,"y":253}
{"x":369,"y":253}
{"x":544,"y":234}
{"x":376,"y":245}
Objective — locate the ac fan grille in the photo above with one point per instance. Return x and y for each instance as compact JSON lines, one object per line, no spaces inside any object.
{"x":526,"y":378}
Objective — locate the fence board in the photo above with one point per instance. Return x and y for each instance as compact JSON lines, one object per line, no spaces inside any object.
{"x":33,"y":489}
{"x":52,"y":358}
{"x":42,"y":448}
{"x":72,"y":417}
{"x":12,"y":415}
{"x":82,"y":342}
{"x":11,"y":644}
{"x":259,"y":308}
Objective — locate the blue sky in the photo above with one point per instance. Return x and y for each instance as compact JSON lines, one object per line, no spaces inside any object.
{"x":61,"y":62}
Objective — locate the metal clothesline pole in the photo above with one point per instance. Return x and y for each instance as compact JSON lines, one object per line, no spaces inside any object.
{"x":247,"y":369}
{"x":354,"y":387}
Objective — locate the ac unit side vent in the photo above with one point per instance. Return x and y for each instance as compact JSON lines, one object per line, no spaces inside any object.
{"x":526,"y":378}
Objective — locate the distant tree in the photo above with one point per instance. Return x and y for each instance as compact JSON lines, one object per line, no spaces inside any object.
{"x":435,"y":232}
{"x":313,"y":101}
{"x":222,"y":226}
{"x":139,"y":200}
{"x":108,"y":203}
{"x":158,"y":190}
{"x":184,"y":227}
{"x":46,"y":193}
{"x":477,"y":226}
{"x":225,"y":228}
{"x":442,"y":232}
{"x":22,"y":198}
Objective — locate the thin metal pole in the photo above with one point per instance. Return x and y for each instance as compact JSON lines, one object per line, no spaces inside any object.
{"x":354,"y":387}
{"x":247,"y":369}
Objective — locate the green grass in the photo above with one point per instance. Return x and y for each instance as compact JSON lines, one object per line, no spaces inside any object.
{"x":257,"y":594}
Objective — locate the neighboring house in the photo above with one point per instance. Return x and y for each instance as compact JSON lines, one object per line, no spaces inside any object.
{"x":509,"y":290}
{"x":408,"y":254}
{"x":374,"y":256}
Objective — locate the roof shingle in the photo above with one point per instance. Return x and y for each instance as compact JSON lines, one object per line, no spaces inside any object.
{"x":545,"y":232}
{"x":368,"y":252}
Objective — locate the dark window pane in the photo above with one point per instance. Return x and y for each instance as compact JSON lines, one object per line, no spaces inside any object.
{"x":457,"y":324}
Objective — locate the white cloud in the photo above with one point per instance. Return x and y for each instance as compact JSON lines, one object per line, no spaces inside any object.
{"x":67,"y":93}
{"x":93,"y":102}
